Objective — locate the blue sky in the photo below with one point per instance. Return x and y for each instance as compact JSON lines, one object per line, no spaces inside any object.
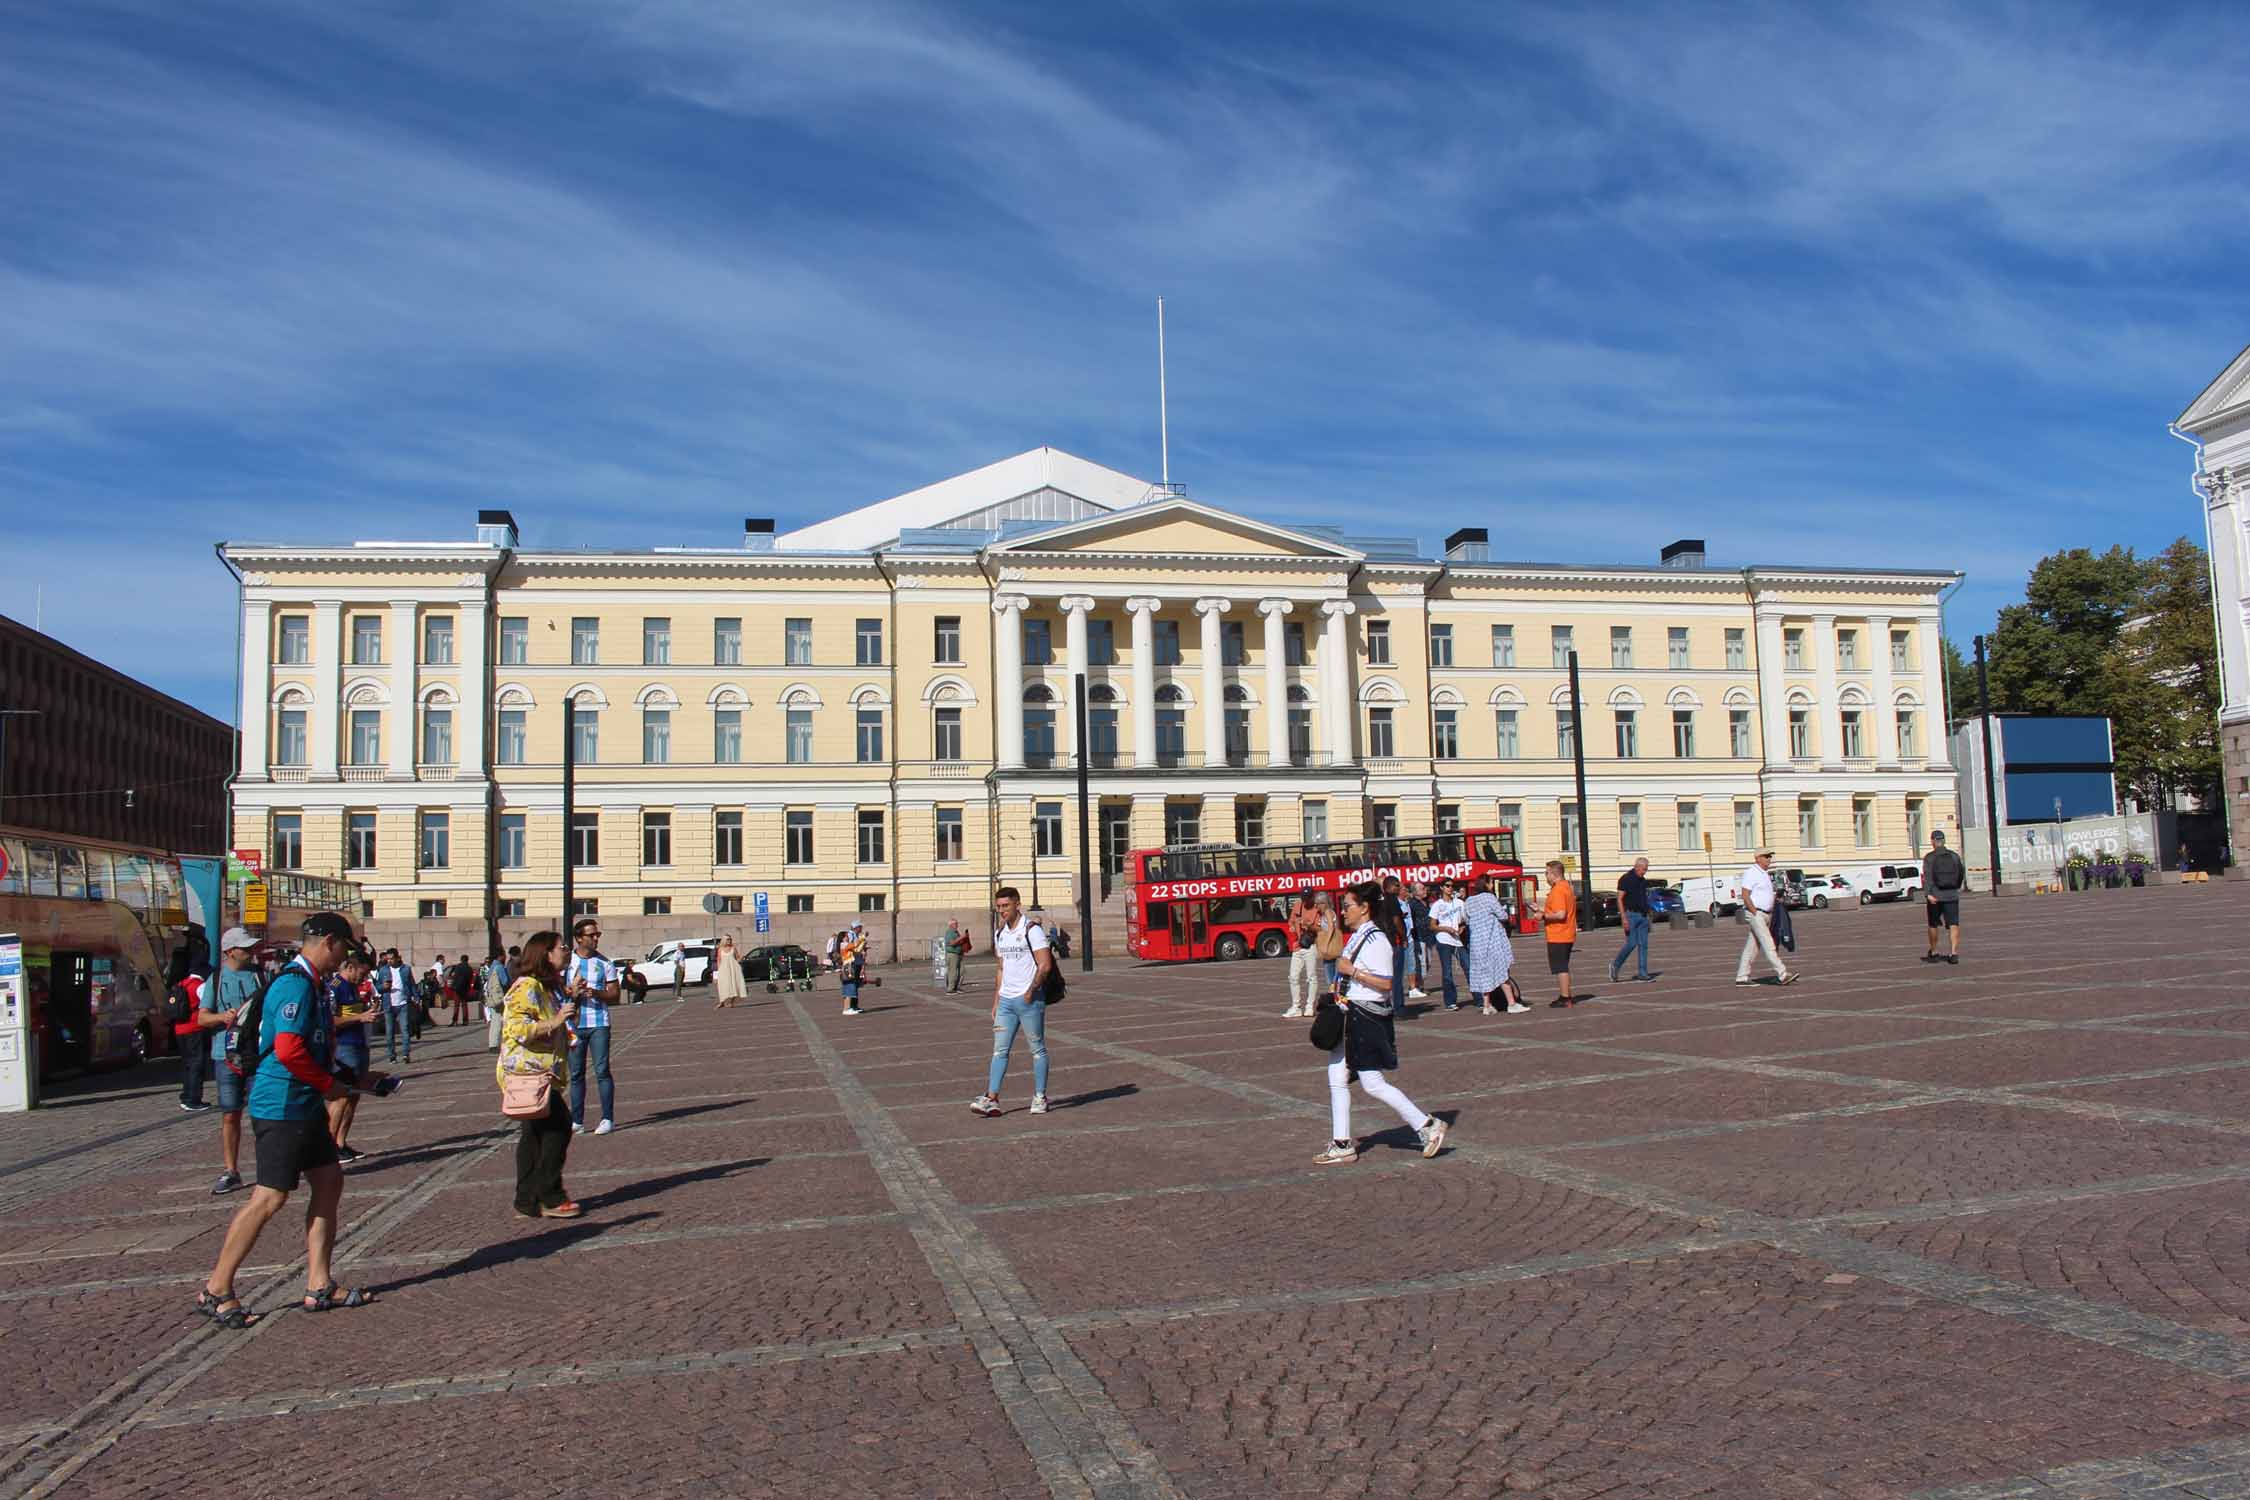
{"x":1912,"y":286}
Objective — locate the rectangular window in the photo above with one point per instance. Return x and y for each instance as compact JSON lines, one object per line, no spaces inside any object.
{"x":946,"y":735}
{"x":867,"y":733}
{"x":1629,"y":827}
{"x":288,"y":841}
{"x":1238,"y":736}
{"x":1909,"y":735}
{"x":1690,"y":816}
{"x":585,"y":906}
{"x":1441,"y":645}
{"x":656,"y":906}
{"x":948,"y":834}
{"x":726,"y":838}
{"x":1382,"y":821}
{"x":1046,"y":830}
{"x":585,"y":641}
{"x":1511,"y":815}
{"x":1738,"y":650}
{"x":1171,"y":736}
{"x":797,"y":744}
{"x":656,"y":838}
{"x":871,"y":836}
{"x":511,"y":906}
{"x":1250,"y":823}
{"x":796,"y":643}
{"x":1566,"y":733}
{"x":291,"y":745}
{"x":515,"y":841}
{"x":1570,"y":827}
{"x":1503,"y":645}
{"x":1101,"y":735}
{"x":1507,"y":734}
{"x":656,"y":641}
{"x":1899,"y":653}
{"x":1738,"y":733}
{"x":585,"y":840}
{"x":1101,"y":643}
{"x":1183,"y":823}
{"x":1293,"y":643}
{"x":359,"y":841}
{"x":945,"y":644}
{"x":515,"y":641}
{"x":585,"y":735}
{"x":1683,"y":733}
{"x":1676,"y":648}
{"x":1445,"y":734}
{"x":1793,"y":649}
{"x":367,"y":640}
{"x":1854,"y":738}
{"x":1381,"y":742}
{"x":437,"y":736}
{"x":797,"y":840}
{"x":1863,"y":822}
{"x":1620,"y":646}
{"x":1038,"y":642}
{"x":437,"y":640}
{"x":429,"y":908}
{"x":656,"y":736}
{"x":1233,"y":651}
{"x":1560,"y":643}
{"x":1847,"y":650}
{"x":1316,"y":821}
{"x":871,"y":901}
{"x":1628,"y":733}
{"x":1378,"y":643}
{"x":726,"y":736}
{"x":867,"y":642}
{"x":1917,"y":823}
{"x":798,"y":904}
{"x":1800,"y":734}
{"x":1447,"y":817}
{"x":1038,"y":736}
{"x":367,"y":737}
{"x":296,"y":640}
{"x":1746,"y":825}
{"x":1300,"y":736}
{"x":1167,"y":642}
{"x":726,"y":641}
{"x":435,"y":851}
{"x":1808,"y":822}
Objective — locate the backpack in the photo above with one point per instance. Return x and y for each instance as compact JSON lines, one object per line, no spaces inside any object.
{"x":250,"y":1024}
{"x":179,"y":1005}
{"x":460,"y":979}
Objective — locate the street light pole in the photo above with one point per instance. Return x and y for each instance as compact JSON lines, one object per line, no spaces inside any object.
{"x":1085,"y":845}
{"x":1585,"y":814}
{"x":569,"y":798}
{"x":1991,"y":797}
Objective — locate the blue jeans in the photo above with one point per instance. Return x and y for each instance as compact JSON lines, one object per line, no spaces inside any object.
{"x":395,"y":1034}
{"x":1447,"y":957}
{"x":1636,"y":944}
{"x":596,"y":1041}
{"x":1031,"y":1017}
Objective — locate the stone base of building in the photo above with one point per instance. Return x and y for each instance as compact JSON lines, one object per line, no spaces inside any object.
{"x":2234,"y":758}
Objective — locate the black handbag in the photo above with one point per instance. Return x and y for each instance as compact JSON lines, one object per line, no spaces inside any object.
{"x":1328,"y":1023}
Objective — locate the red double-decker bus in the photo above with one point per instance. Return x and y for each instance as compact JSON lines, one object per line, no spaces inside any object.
{"x":1227,"y":901}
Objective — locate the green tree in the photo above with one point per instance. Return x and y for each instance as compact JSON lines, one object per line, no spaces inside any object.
{"x":1960,"y":685}
{"x":2050,"y":654}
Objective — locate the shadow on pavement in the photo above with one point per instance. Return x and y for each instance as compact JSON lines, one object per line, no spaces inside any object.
{"x":1076,"y":1101}
{"x":685,"y":1111}
{"x":650,"y":1186}
{"x":525,"y":1247}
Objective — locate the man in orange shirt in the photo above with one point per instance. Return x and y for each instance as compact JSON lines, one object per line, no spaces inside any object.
{"x":1560,"y":918}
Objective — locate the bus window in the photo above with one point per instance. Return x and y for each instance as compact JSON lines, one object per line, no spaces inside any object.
{"x":1199,"y":931}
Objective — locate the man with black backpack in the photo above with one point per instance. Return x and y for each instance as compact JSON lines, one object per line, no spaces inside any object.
{"x":1027,"y":984}
{"x":461,"y":981}
{"x":219,"y":1009}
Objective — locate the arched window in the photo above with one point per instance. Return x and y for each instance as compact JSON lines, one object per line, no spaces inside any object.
{"x":1039,"y":692}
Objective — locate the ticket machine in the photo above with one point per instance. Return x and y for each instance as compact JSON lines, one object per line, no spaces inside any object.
{"x":19,"y":1048}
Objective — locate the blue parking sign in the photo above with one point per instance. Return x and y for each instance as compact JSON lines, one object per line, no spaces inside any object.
{"x":764,"y":912}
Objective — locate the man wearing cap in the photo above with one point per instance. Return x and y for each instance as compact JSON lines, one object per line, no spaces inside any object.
{"x":851,"y":962}
{"x":218,"y":1009}
{"x":290,"y":1086}
{"x":1943,"y":876}
{"x":1757,"y":910}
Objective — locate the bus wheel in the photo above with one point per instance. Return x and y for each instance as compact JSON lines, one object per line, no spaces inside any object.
{"x":1230,"y":946}
{"x":1272,"y":945}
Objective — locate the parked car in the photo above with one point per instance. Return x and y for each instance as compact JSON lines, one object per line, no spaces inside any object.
{"x":1664,"y":903}
{"x":694,"y":954}
{"x":1719,"y":895}
{"x":1899,"y":882}
{"x":776,"y":959}
{"x":1824,"y":891}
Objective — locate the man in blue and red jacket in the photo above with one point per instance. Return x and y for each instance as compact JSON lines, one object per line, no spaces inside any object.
{"x":290,"y":1087}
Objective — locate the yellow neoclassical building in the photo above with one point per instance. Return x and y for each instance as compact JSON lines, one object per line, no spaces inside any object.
{"x":874,"y":713}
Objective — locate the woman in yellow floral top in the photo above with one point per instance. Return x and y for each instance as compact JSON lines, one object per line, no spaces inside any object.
{"x":534,"y":1038}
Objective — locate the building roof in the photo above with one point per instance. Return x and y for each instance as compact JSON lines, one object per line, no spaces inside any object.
{"x":2228,"y":395}
{"x":934,"y":505}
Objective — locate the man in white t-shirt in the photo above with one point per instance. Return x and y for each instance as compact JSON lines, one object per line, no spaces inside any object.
{"x":1757,"y":910}
{"x":1449,"y":915}
{"x":1019,"y":999}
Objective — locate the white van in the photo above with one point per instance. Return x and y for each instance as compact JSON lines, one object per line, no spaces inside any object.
{"x":1899,"y":882}
{"x":1719,"y":895}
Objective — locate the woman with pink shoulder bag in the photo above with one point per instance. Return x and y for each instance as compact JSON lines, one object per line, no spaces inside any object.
{"x":534,"y":1054}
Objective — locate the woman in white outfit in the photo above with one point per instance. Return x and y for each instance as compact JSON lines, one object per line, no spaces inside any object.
{"x":1490,"y":955}
{"x":726,"y":974}
{"x":1370,"y":1046}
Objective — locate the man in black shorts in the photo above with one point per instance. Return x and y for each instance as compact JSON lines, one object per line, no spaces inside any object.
{"x":1943,"y":876}
{"x":290,"y":1087}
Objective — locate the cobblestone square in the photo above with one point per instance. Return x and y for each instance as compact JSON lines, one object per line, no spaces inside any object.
{"x":1897,"y":1230}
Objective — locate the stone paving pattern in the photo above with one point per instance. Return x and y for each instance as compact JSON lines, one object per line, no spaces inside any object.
{"x":1969,"y":1233}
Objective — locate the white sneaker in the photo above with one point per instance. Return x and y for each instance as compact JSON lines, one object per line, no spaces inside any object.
{"x":1038,"y":1104}
{"x":1336,"y":1156}
{"x":984,"y":1104}
{"x":1415,"y":994}
{"x":1291,"y":1014}
{"x":576,"y":1128}
{"x":604,"y":1128}
{"x":1516,"y":1010}
{"x":1433,"y":1137}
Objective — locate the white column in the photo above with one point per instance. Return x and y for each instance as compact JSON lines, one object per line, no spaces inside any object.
{"x":1277,"y":682}
{"x":1937,"y":750}
{"x":476,"y":691}
{"x":1886,"y":715}
{"x":256,"y":711}
{"x":1336,"y":682}
{"x":398,"y":639}
{"x":1827,"y":712}
{"x":1007,"y":679}
{"x":1143,"y":612}
{"x":328,"y":688}
{"x":1773,"y":691}
{"x":1214,"y":684}
{"x":1075,"y":609}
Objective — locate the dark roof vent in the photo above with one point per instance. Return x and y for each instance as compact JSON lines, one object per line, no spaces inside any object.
{"x":1685,"y":553}
{"x":757,"y":533}
{"x":496,"y":528}
{"x":1469,"y":544}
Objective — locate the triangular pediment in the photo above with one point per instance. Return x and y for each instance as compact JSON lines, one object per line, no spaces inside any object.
{"x":2229,"y":393}
{"x":1179,"y":527}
